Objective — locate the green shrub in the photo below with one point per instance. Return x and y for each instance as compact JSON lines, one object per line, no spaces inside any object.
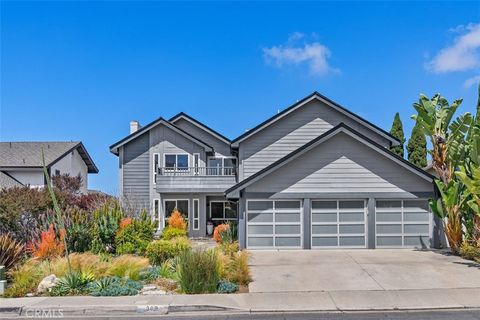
{"x":226,"y":287}
{"x":11,"y":251}
{"x":470,"y":252}
{"x":229,"y":235}
{"x":72,"y":283}
{"x":78,"y":225}
{"x":159,"y":251}
{"x":114,"y":286}
{"x":105,"y":226}
{"x":25,"y":279}
{"x":198,"y":271}
{"x":169,"y":233}
{"x":135,"y":237}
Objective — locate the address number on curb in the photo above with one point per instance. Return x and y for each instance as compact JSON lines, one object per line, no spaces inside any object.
{"x":161,"y":309}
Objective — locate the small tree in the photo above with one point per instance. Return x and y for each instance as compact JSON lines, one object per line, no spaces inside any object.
{"x":177,"y":221}
{"x":397,"y":132}
{"x":417,"y":148}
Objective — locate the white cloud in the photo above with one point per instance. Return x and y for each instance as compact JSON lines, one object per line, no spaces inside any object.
{"x":471,"y":82}
{"x":313,"y":54}
{"x":462,"y":55}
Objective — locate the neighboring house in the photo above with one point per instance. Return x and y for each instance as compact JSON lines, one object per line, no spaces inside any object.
{"x":313,"y":176}
{"x":21,"y":163}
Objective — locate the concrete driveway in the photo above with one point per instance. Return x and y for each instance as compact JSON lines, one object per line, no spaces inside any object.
{"x":333,"y":270}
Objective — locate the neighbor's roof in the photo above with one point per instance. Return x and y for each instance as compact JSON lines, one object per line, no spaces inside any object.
{"x":7,"y":181}
{"x":316,"y":96}
{"x":317,"y":141}
{"x":114,"y":147}
{"x":29,"y":154}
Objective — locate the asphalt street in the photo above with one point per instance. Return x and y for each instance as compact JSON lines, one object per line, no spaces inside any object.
{"x":400,"y":315}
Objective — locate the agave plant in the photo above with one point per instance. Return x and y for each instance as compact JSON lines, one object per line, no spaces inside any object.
{"x":72,"y":283}
{"x":11,"y":251}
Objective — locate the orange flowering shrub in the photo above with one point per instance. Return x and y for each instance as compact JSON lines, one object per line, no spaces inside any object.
{"x":217,"y":233}
{"x":177,"y":221}
{"x":49,"y":246}
{"x":125,"y":222}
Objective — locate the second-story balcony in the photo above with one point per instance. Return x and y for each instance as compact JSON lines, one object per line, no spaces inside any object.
{"x":195,"y":179}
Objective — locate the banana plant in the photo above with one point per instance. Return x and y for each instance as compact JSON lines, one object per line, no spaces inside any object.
{"x":434,"y":117}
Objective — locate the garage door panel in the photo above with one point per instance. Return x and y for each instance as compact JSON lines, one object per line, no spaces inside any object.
{"x":287,"y":229}
{"x":324,"y":217}
{"x":260,"y":217}
{"x":287,"y":241}
{"x":260,"y":205}
{"x":415,"y":228}
{"x":352,"y":241}
{"x":352,"y":216}
{"x":417,"y":241}
{"x":389,"y":228}
{"x":260,"y":229}
{"x":338,"y":223}
{"x":260,"y":241}
{"x":416,"y":216}
{"x":325,"y":229}
{"x":402,"y":223}
{"x":287,"y":217}
{"x":389,"y":216}
{"x":325,"y":241}
{"x":389,"y":241}
{"x":324,"y":205}
{"x":352,"y":228}
{"x":279,"y":220}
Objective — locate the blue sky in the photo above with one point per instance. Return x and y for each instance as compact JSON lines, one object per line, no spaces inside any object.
{"x":83,"y":70}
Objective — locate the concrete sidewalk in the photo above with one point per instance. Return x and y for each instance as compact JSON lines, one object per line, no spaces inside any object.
{"x":328,"y":301}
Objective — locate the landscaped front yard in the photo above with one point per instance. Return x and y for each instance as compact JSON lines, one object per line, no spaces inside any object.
{"x":110,"y":252}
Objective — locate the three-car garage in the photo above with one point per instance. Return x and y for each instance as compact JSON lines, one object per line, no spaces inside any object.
{"x":337,"y":223}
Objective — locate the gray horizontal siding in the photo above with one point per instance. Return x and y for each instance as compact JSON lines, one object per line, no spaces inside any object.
{"x":221,"y":148}
{"x":293,"y":131}
{"x":342,"y":165}
{"x":136,"y":172}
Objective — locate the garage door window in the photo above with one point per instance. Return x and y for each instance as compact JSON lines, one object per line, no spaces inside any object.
{"x":338,"y":223}
{"x":402,"y":223}
{"x":274,"y":224}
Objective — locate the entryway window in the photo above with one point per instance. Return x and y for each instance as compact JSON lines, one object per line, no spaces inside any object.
{"x":223,"y":210}
{"x":196,"y":214}
{"x":180,"y":204}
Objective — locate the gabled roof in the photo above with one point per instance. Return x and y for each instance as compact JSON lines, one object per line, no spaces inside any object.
{"x":7,"y":181}
{"x":114,"y":147}
{"x":316,"y":96}
{"x":183,"y":115}
{"x":29,"y":154}
{"x":317,"y":141}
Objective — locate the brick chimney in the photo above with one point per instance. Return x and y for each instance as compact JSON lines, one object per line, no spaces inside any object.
{"x":134,"y":126}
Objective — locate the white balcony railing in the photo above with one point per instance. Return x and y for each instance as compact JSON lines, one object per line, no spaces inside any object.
{"x":197,"y":171}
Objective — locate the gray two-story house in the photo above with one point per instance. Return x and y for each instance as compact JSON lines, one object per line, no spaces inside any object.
{"x":313,"y":176}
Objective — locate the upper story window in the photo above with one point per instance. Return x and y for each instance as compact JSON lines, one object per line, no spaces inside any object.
{"x":176,"y":161}
{"x":222,"y":166}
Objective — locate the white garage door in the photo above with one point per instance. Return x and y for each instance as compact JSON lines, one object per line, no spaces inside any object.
{"x":338,"y":223}
{"x":274,"y":224}
{"x":402,"y":223}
